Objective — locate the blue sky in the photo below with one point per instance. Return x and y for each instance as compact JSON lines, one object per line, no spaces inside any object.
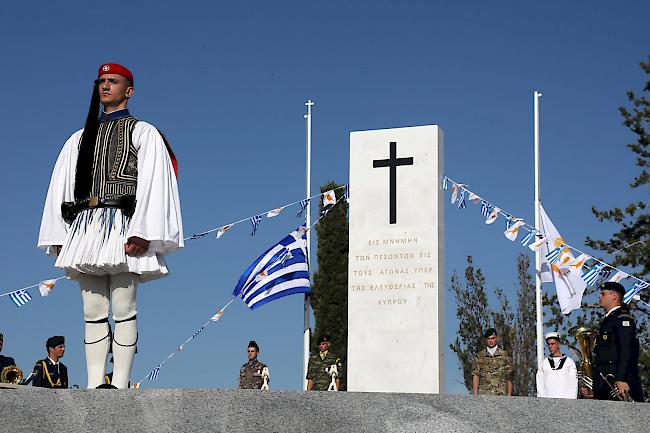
{"x":227,"y":84}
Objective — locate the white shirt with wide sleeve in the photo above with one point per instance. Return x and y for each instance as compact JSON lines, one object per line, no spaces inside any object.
{"x":157,"y":216}
{"x":561,"y":383}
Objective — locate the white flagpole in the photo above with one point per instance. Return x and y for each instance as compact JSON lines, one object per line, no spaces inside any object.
{"x":538,"y":253}
{"x":307,"y":304}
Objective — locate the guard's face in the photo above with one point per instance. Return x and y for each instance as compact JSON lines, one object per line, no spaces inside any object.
{"x":59,"y":350}
{"x":607,"y":299}
{"x":114,"y":90}
{"x":553,"y":346}
{"x":324,"y":346}
{"x":491,"y":341}
{"x":252,"y":353}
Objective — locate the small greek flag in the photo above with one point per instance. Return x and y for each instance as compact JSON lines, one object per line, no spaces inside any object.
{"x":303,"y":206}
{"x":444,"y":182}
{"x":527,"y":238}
{"x":20,"y":297}
{"x":153,"y":375}
{"x":554,"y":255}
{"x":197,"y":332}
{"x":634,"y":291}
{"x":485,"y":208}
{"x":282,"y":270}
{"x":606,"y":272}
{"x":198,"y":236}
{"x":255,"y":221}
{"x":591,"y":276}
{"x":461,"y":200}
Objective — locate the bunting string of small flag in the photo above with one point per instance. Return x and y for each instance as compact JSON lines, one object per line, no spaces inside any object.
{"x":281,"y":271}
{"x":22,"y":296}
{"x":155,"y":372}
{"x":556,"y":255}
{"x":329,"y":197}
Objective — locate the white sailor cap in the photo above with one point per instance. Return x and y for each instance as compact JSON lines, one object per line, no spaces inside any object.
{"x":550,"y":335}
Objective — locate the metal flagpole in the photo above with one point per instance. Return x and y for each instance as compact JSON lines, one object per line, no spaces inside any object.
{"x":307,"y":305}
{"x":538,"y":252}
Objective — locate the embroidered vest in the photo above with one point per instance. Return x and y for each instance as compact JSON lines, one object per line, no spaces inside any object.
{"x":115,"y":161}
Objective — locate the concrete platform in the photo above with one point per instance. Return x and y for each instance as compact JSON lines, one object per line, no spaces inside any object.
{"x":38,"y":410}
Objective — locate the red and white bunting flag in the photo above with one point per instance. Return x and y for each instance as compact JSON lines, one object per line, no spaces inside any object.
{"x":493,"y":216}
{"x":223,"y":230}
{"x":45,"y":287}
{"x":329,"y":197}
{"x":474,"y":198}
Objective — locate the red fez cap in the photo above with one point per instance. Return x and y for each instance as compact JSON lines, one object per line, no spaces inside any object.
{"x":114,"y":68}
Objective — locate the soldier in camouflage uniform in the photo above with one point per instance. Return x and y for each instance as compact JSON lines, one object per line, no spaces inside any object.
{"x":250,"y":374}
{"x":318,"y":379}
{"x":492,"y":369}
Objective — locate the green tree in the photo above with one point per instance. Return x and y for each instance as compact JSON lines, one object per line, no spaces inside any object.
{"x":329,"y":297}
{"x":516,"y":328}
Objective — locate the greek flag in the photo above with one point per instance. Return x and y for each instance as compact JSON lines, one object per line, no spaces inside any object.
{"x":255,"y":221}
{"x":303,"y":206}
{"x":527,"y":238}
{"x":591,"y":275}
{"x":640,"y":285}
{"x":281,"y":271}
{"x":153,"y":374}
{"x":554,"y":255}
{"x":485,"y":208}
{"x":461,"y":200}
{"x":20,"y":297}
{"x":444,"y":182}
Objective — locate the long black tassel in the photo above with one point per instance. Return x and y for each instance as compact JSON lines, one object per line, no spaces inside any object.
{"x":84,"y":175}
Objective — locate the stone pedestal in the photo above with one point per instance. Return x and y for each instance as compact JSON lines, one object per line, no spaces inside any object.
{"x":396,"y":261}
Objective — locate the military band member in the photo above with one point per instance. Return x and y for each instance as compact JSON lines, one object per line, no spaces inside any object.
{"x":616,"y":352}
{"x":318,"y":377}
{"x":492,"y":369}
{"x":250,"y":374}
{"x":5,"y":361}
{"x":50,"y":372}
{"x":558,"y":376}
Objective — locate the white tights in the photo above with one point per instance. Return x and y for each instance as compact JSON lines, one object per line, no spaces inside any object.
{"x":95,"y":293}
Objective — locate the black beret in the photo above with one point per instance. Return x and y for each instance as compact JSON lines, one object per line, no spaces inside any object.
{"x":489,"y":332}
{"x":614,"y":287}
{"x":55,"y":341}
{"x":324,"y":339}
{"x":252,"y":343}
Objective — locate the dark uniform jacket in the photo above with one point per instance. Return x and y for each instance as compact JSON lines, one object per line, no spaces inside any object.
{"x":250,"y":375}
{"x":48,"y":375}
{"x":617,"y":353}
{"x":6,"y":361}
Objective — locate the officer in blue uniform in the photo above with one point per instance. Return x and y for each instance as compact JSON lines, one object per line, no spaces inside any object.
{"x":50,"y":372}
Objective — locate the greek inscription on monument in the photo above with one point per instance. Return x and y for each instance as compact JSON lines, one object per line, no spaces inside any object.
{"x":396,"y":270}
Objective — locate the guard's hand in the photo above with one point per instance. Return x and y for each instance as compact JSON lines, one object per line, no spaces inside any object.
{"x":136,"y":246}
{"x":622,"y":387}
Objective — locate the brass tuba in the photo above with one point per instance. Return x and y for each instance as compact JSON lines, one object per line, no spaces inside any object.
{"x":11,"y":374}
{"x":586,"y":339}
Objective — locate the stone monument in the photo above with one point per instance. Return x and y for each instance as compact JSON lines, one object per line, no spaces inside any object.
{"x":396,"y":261}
